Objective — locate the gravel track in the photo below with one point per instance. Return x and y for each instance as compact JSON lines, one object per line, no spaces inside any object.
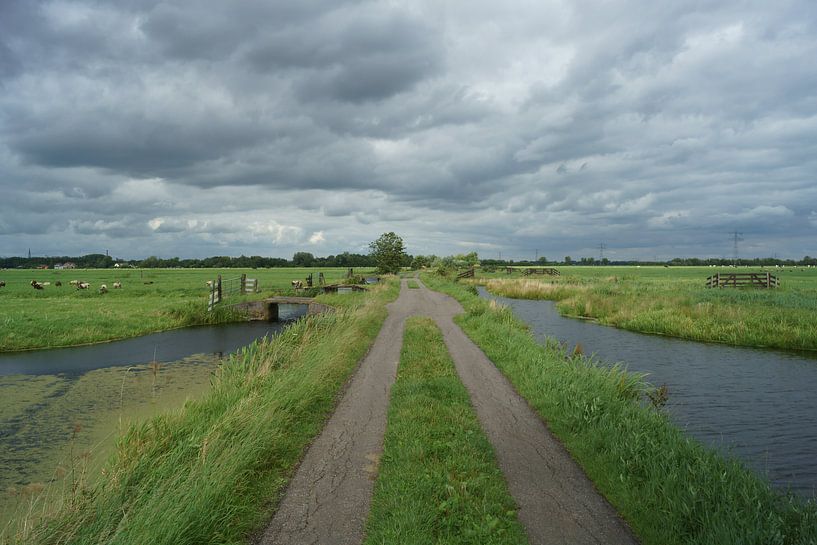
{"x":328,"y":499}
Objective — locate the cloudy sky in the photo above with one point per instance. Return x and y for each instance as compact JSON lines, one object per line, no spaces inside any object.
{"x":192,"y":128}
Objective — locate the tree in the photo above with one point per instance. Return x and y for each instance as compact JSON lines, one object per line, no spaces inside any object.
{"x":388,"y":252}
{"x":303,"y":259}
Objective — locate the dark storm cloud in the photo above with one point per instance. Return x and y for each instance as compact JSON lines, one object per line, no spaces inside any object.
{"x":181,"y":126}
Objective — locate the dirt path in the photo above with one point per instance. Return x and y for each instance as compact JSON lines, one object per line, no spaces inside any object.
{"x":328,"y":500}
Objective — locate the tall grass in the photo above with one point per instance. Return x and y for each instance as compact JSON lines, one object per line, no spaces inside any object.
{"x":439,"y":481}
{"x":681,"y":307}
{"x":211,"y":472}
{"x":671,"y":489}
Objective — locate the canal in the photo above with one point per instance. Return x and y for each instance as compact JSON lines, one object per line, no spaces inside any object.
{"x":758,"y":405}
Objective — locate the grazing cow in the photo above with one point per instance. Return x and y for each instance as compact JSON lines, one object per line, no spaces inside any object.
{"x":297,"y":284}
{"x":83,"y":285}
{"x":74,"y":283}
{"x":58,"y":283}
{"x":117,"y":285}
{"x":36,"y":285}
{"x":2,"y":283}
{"x":103,"y":289}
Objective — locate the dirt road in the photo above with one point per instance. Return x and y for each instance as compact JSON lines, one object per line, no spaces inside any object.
{"x":328,"y":499}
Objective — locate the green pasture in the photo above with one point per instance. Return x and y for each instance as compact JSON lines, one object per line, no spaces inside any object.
{"x":150,"y":300}
{"x":675,"y":301}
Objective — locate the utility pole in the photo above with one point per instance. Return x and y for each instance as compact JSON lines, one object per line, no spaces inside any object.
{"x":602,"y":247}
{"x":537,"y":255}
{"x":736,"y":237}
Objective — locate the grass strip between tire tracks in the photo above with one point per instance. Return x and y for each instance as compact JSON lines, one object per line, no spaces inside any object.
{"x":670,"y":488}
{"x":211,"y":472}
{"x":439,"y":481}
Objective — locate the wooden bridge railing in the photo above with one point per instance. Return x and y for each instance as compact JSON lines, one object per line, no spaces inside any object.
{"x":737,"y":280}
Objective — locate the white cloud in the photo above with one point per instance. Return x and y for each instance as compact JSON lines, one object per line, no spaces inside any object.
{"x":317,"y":238}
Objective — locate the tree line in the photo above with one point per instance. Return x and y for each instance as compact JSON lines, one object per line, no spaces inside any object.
{"x":387,"y":254}
{"x":101,"y":261}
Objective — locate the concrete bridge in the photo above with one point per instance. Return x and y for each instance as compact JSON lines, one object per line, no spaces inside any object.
{"x":267,"y":309}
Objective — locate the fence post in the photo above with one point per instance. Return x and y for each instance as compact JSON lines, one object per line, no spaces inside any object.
{"x":243,"y":284}
{"x":218,"y":288}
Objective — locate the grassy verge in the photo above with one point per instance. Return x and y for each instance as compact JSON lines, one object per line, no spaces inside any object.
{"x":439,"y":481}
{"x":150,"y":300}
{"x":676,"y":302}
{"x":669,"y":487}
{"x":210,"y":472}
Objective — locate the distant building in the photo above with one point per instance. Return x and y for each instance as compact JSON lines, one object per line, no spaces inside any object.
{"x":58,"y":266}
{"x":69,"y":265}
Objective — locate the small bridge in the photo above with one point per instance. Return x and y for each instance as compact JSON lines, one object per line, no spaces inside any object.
{"x":739,"y":280}
{"x":267,"y":309}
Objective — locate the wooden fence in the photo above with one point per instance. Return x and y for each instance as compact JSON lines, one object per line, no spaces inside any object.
{"x":240,"y":285}
{"x":739,"y":280}
{"x":466,"y":274}
{"x":541,"y":270}
{"x":534,"y":270}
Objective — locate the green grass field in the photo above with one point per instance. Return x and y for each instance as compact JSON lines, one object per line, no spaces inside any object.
{"x":675,"y":301}
{"x":150,"y":300}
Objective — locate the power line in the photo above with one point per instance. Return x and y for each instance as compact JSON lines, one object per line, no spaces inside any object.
{"x":602,"y":247}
